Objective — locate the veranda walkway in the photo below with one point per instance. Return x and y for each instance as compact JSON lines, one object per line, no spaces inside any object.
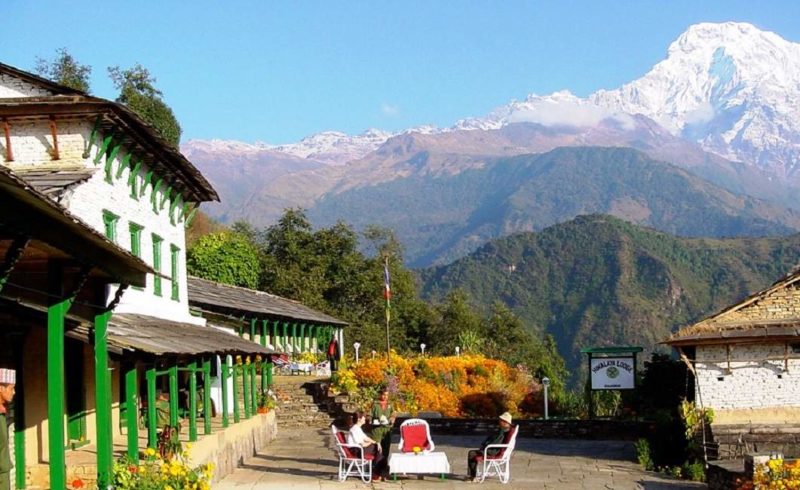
{"x":303,"y":459}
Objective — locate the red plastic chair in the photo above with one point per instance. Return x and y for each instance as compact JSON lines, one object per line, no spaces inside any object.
{"x":351,"y":457}
{"x":415,"y":433}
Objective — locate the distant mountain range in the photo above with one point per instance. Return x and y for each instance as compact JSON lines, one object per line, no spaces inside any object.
{"x":599,"y":281}
{"x":722,"y":105}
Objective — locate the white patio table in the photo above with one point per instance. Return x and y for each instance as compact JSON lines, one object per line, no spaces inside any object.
{"x":432,"y":463}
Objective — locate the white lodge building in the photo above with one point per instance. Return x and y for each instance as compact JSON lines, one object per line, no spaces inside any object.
{"x":113,"y":172}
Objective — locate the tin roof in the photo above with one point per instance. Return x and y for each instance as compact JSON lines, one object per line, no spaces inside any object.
{"x":223,"y":298}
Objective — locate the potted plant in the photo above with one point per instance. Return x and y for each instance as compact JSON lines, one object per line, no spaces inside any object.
{"x":266,"y":402}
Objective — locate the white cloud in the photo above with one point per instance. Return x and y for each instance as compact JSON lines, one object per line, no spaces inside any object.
{"x":389,"y":109}
{"x":567,"y":113}
{"x":701,"y":114}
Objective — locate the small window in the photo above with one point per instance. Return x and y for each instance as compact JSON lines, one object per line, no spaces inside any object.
{"x":175,"y":253}
{"x":157,"y":241}
{"x":795,"y":347}
{"x":110,"y":221}
{"x":136,"y":238}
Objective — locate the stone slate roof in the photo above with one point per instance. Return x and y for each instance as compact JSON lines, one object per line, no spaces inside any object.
{"x":29,"y":212}
{"x":54,"y":182}
{"x":37,"y":80}
{"x":222,"y":298}
{"x":721,"y":328}
{"x":157,"y":336}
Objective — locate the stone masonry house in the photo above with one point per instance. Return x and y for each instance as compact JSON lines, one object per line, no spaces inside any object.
{"x":746,"y":364}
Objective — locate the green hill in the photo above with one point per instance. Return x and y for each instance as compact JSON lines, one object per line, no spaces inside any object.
{"x":598,"y":280}
{"x":440,"y":216}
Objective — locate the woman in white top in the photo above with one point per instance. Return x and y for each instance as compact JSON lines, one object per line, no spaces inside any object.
{"x":357,"y":436}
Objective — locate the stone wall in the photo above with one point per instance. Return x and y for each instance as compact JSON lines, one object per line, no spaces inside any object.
{"x":735,"y":440}
{"x":753,"y":382}
{"x":783,"y":303}
{"x":16,"y":87}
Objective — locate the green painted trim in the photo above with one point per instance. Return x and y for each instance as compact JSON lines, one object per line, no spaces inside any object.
{"x":235,"y":392}
{"x":264,"y":328}
{"x":157,"y":241}
{"x":302,"y":338}
{"x":153,"y":195}
{"x":174,"y":251}
{"x":102,"y":380}
{"x":133,"y":179}
{"x":103,"y":149}
{"x":152,"y":430}
{"x":246,"y":389}
{"x":184,"y":210}
{"x":173,"y":395}
{"x":55,"y":392}
{"x":166,"y":196}
{"x":190,"y":217}
{"x":19,"y":424}
{"x":269,"y":374}
{"x":206,"y":396}
{"x":124,"y":163}
{"x":253,"y":329}
{"x":172,"y":206}
{"x":148,"y":177}
{"x":223,"y":372}
{"x":193,"y":401}
{"x":110,"y":162}
{"x":92,"y":137}
{"x":253,"y":392}
{"x":110,"y":223}
{"x":132,"y":407}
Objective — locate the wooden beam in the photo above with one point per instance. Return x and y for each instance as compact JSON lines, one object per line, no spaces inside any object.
{"x":54,"y":134}
{"x":7,"y":132}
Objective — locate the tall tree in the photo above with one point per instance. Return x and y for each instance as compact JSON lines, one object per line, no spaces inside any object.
{"x":137,"y":90}
{"x":64,"y":69}
{"x":226,"y":257}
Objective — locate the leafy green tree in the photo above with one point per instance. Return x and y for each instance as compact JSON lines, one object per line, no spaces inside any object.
{"x":226,"y":257}
{"x":137,"y":90}
{"x":64,"y":69}
{"x":455,"y":315}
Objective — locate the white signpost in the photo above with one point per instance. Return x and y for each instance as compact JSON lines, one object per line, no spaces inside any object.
{"x":613,"y":373}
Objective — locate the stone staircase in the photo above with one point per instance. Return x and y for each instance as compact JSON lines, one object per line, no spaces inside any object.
{"x":297,"y":405}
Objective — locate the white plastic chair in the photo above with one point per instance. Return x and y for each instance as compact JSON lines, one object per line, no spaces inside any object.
{"x":351,"y":457}
{"x":500,"y":464}
{"x":415,"y":432}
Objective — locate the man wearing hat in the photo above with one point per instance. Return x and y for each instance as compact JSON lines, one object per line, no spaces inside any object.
{"x":8,"y":378}
{"x":499,"y":437}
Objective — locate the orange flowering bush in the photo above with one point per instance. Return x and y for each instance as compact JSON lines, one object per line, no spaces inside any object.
{"x":469,"y":385}
{"x":776,"y":474}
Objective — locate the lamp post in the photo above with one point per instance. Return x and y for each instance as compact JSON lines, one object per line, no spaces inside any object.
{"x":373,"y":353}
{"x":458,"y":351}
{"x":422,"y":348}
{"x":545,"y":384}
{"x":356,"y":346}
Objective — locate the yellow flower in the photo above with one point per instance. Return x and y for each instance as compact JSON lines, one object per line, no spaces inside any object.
{"x":149,"y":452}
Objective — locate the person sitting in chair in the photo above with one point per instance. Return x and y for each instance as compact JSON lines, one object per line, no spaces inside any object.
{"x":499,"y":437}
{"x":357,"y":437}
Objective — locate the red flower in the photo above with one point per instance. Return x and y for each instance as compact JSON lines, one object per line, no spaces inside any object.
{"x":77,"y":483}
{"x":133,"y":468}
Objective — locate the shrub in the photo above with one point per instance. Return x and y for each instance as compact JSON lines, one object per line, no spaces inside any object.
{"x":694,"y":471}
{"x":155,"y":473}
{"x":643,"y":454}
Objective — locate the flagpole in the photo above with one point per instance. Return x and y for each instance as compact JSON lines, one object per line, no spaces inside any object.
{"x":388,"y":296}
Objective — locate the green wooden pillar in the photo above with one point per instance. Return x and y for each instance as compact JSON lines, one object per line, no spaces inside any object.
{"x":253,"y":392}
{"x":193,"y":401}
{"x":152,"y":435}
{"x":286,"y":337}
{"x":206,"y":396}
{"x":131,"y":395}
{"x":264,"y":328}
{"x":55,"y":393}
{"x":223,"y":372}
{"x":275,"y":334}
{"x":246,"y":388}
{"x":173,"y":395}
{"x":294,"y":338}
{"x":235,"y":376}
{"x":19,"y":420}
{"x":241,"y":331}
{"x":268,"y":367}
{"x":303,"y":337}
{"x":102,"y":381}
{"x":253,"y":329}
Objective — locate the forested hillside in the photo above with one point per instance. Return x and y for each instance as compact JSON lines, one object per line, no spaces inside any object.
{"x":597,"y":280}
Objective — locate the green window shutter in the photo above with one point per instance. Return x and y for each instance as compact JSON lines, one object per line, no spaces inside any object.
{"x":174,"y":252}
{"x":157,"y":241}
{"x":136,"y":238}
{"x":110,"y":221}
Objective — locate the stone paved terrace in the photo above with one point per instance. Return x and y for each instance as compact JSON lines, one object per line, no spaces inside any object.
{"x":303,"y":459}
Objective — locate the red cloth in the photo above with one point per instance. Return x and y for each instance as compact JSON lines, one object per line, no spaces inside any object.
{"x":414,"y":435}
{"x":351,"y":453}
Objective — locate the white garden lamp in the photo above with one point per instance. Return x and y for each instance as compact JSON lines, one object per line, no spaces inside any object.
{"x":422,"y":348}
{"x":373,"y":353}
{"x":356,"y":346}
{"x":545,"y":384}
{"x":458,"y":351}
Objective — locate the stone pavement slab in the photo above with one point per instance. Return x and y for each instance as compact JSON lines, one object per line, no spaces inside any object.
{"x":304,"y":459}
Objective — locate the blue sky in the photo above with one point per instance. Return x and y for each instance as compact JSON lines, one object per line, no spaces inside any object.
{"x":278,"y":71}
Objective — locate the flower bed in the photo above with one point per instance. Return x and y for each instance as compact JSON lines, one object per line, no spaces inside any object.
{"x":465,"y":386}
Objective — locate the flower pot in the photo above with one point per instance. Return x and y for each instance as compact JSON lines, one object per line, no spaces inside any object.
{"x":262,"y":410}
